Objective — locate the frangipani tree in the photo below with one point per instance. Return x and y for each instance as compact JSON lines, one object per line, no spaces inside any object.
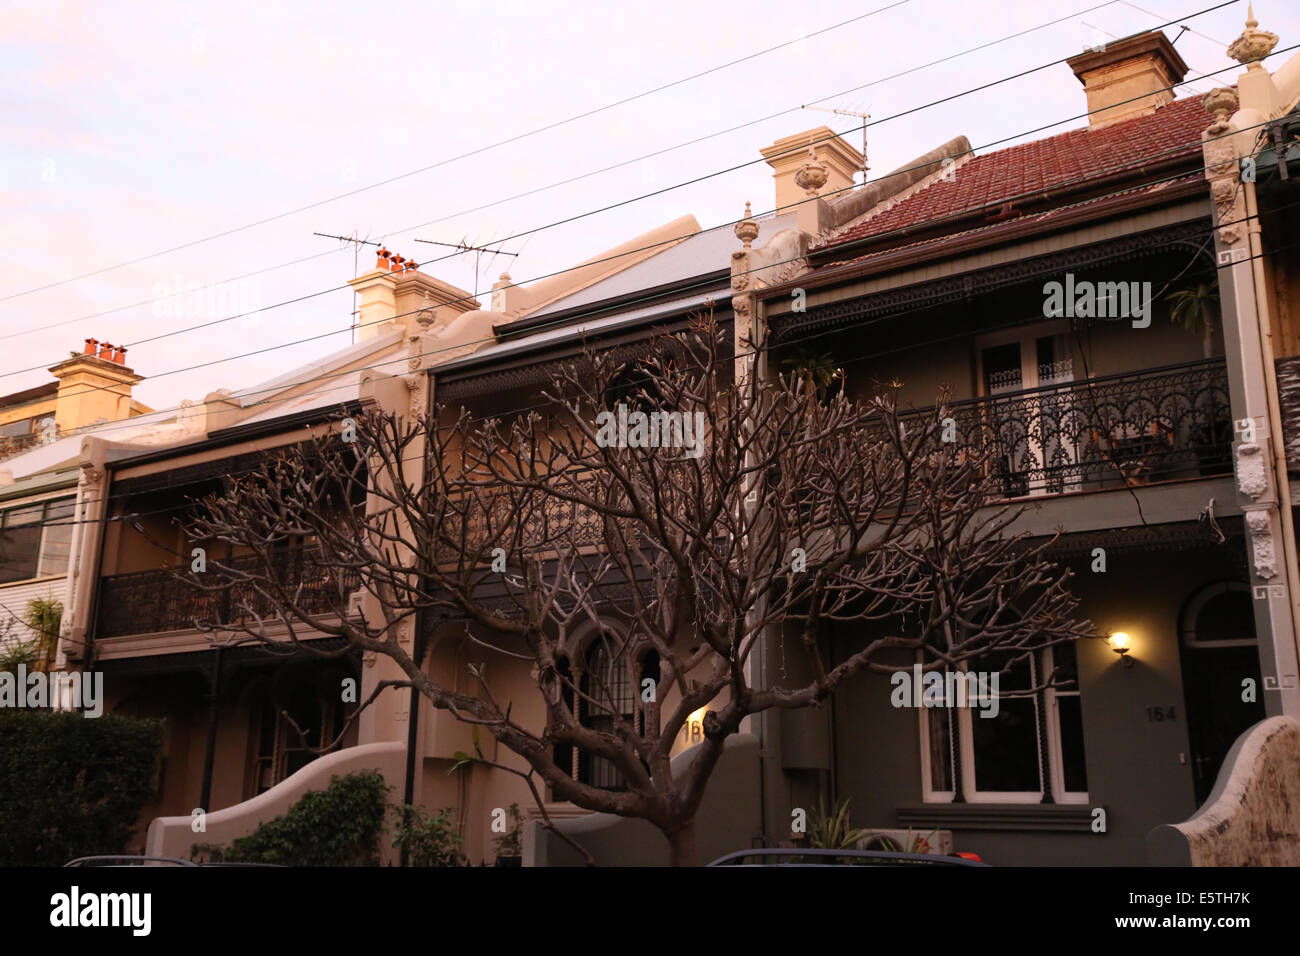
{"x":688,"y":519}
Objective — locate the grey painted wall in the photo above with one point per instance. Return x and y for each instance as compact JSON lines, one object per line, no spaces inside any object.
{"x":1135,"y":765}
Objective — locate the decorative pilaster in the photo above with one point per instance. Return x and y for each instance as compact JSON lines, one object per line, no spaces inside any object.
{"x":1222,"y":166}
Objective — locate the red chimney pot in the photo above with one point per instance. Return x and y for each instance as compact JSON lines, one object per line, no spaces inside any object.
{"x":120,"y":357}
{"x":105,"y":351}
{"x":90,"y":347}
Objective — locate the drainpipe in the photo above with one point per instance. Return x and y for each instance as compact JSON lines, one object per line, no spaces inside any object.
{"x":214,"y":713}
{"x":1264,"y":326}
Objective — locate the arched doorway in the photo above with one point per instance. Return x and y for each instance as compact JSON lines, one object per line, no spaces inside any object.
{"x":1219,"y":656}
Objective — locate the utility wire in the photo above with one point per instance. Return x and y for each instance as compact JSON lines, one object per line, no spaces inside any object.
{"x":614,"y":205}
{"x":475,"y":152}
{"x":866,"y":356}
{"x":574,"y":179}
{"x":133,"y":423}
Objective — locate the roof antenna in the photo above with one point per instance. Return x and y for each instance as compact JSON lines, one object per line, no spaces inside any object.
{"x":357,"y":243}
{"x":864,"y":117}
{"x":465,"y":246}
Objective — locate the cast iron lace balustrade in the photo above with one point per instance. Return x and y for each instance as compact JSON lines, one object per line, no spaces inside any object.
{"x":149,"y":602}
{"x":1171,"y":423}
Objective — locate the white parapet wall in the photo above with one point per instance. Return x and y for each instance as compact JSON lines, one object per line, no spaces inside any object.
{"x":1252,"y":817}
{"x":174,"y":836}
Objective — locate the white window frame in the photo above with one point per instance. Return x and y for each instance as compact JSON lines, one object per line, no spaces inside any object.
{"x":45,"y":504}
{"x":1045,"y":705}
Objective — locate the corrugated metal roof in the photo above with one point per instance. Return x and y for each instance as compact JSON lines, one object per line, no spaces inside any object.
{"x":708,"y":251}
{"x":571,"y":332}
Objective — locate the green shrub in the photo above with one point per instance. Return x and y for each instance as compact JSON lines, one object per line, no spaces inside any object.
{"x":337,"y":826}
{"x":508,"y":843}
{"x":428,"y":840}
{"x":71,"y":786}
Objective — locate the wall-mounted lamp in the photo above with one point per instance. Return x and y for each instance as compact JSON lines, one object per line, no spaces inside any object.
{"x":1121,"y":643}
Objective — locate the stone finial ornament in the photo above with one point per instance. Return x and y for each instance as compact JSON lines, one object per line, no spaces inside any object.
{"x":1222,"y":102}
{"x":1253,"y":43}
{"x":747,"y":228}
{"x":425,"y":317}
{"x":812,"y":175}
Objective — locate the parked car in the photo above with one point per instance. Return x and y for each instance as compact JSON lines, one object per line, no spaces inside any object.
{"x":126,"y":859}
{"x":787,"y":856}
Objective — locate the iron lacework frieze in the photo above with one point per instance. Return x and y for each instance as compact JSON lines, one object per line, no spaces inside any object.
{"x":151,"y":602}
{"x":959,"y":287}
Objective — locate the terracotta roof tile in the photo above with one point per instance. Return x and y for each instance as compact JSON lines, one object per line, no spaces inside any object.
{"x":1065,"y":159}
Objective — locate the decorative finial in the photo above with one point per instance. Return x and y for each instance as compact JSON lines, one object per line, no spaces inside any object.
{"x":1253,"y":44}
{"x":812,"y":175}
{"x":747,"y":228}
{"x":426,"y":315}
{"x":1221,"y":101}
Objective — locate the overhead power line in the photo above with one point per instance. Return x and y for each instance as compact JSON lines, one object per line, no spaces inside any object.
{"x":578,"y":178}
{"x":637,"y":198}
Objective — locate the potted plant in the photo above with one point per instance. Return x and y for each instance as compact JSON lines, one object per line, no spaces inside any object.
{"x":1196,"y":310}
{"x":831,"y":831}
{"x":823,"y":374}
{"x":509,"y":849}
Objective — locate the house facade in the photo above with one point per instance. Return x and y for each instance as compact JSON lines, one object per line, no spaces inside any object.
{"x":1087,"y":303}
{"x":1110,"y":310}
{"x":40,"y":430}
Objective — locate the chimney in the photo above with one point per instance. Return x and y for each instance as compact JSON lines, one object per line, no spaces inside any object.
{"x":94,"y":384}
{"x":815,"y":162}
{"x":397,"y":295}
{"x":1128,"y":78}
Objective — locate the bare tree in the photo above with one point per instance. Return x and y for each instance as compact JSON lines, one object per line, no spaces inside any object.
{"x":685,"y":517}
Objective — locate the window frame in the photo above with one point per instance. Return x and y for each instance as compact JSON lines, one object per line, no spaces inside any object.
{"x":1046,"y":708}
{"x":43,"y":523}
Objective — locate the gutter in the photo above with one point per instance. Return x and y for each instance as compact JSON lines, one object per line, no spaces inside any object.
{"x":237,"y":433}
{"x":507,"y":330}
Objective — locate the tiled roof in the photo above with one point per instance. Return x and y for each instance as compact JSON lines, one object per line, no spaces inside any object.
{"x":991,"y":228}
{"x":1066,"y":160}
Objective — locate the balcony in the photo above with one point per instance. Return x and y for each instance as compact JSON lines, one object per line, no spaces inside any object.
{"x":150,"y":602}
{"x":1166,"y":424}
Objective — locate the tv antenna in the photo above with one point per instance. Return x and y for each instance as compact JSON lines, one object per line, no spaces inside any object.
{"x":357,"y":243}
{"x":864,"y":117}
{"x":478,"y":251}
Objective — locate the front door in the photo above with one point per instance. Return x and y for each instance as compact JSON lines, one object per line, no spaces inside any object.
{"x":1220,"y":662}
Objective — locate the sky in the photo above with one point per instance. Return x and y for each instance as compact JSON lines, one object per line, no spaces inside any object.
{"x":230,"y":133}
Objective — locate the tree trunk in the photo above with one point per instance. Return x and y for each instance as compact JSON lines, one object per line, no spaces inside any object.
{"x":681,"y":844}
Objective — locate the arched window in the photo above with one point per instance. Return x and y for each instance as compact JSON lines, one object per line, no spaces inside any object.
{"x":608,"y":690}
{"x":609,"y":678}
{"x":1220,"y":615}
